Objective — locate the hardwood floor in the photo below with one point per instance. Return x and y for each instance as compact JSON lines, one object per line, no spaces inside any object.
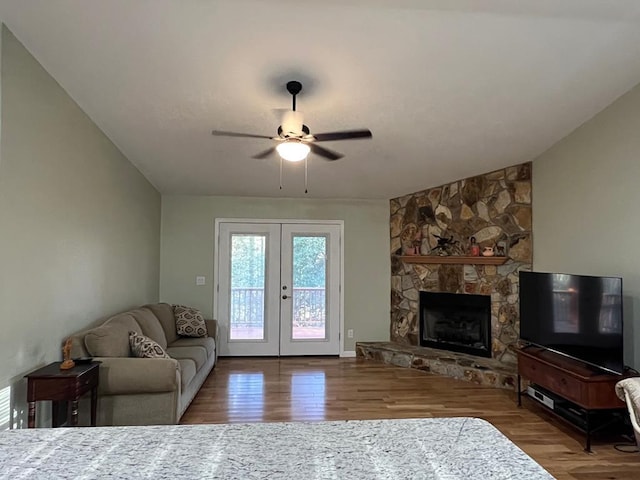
{"x":323,"y":388}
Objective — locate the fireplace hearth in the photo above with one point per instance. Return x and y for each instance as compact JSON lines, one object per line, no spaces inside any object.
{"x":456,"y":322}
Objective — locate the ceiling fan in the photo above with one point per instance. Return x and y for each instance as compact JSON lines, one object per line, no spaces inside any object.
{"x":294,"y":138}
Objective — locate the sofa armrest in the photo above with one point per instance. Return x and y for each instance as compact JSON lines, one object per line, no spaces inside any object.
{"x":126,"y":375}
{"x":213,"y":330}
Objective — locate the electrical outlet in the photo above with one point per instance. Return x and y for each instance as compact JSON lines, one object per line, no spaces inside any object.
{"x":350,"y":333}
{"x":200,"y":280}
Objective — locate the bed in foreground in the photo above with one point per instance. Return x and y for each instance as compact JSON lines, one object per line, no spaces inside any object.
{"x":430,"y":448}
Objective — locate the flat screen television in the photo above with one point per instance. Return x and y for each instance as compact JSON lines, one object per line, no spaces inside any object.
{"x":575,"y":315}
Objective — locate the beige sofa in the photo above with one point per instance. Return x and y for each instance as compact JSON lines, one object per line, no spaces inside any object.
{"x":146,"y":391}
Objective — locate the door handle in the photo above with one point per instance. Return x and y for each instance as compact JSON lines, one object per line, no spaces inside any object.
{"x":284,"y":297}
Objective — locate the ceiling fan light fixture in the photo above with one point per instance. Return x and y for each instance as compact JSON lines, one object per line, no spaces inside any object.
{"x":292,"y":123}
{"x":293,"y":150}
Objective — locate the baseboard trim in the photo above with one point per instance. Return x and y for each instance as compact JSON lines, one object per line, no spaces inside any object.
{"x":349,"y":354}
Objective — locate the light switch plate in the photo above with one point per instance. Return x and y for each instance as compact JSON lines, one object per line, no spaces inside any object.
{"x":200,"y":280}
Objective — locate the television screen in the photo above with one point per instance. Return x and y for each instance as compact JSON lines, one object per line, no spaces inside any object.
{"x":576,"y":315}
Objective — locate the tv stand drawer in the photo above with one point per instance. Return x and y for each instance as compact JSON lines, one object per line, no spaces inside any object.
{"x":550,"y":378}
{"x":566,"y":386}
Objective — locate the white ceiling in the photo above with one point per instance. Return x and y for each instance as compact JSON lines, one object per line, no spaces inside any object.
{"x":449,"y":88}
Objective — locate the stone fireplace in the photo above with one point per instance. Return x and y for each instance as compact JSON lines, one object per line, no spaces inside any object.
{"x":495,"y":208}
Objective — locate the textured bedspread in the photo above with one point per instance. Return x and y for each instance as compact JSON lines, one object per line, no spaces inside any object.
{"x":439,"y":448}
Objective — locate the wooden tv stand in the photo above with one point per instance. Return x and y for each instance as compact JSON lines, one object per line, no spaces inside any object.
{"x":582,"y":395}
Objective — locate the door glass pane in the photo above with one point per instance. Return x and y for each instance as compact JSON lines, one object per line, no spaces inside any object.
{"x":248,"y":260}
{"x":309,"y":286}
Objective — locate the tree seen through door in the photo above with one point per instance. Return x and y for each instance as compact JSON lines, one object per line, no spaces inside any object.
{"x":308,"y":291}
{"x":309,"y":287}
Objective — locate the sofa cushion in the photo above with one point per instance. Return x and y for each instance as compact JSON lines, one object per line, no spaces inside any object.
{"x":187,"y":372}
{"x":189,"y":322}
{"x":111,"y":339}
{"x":195,"y":353}
{"x":164,"y":313}
{"x":206,"y":342}
{"x":150,"y":325}
{"x":143,"y":347}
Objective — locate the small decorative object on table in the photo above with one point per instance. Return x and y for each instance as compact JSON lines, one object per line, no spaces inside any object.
{"x":67,"y":363}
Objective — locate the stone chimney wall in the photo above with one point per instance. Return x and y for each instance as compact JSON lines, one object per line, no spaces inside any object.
{"x":495,"y":208}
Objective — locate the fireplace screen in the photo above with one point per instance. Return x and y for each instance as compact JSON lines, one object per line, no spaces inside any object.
{"x":456,"y":322}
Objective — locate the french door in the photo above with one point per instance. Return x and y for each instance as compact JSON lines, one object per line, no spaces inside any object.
{"x":279,"y":288}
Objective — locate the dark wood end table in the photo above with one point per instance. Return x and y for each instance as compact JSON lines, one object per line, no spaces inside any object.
{"x":51,"y":383}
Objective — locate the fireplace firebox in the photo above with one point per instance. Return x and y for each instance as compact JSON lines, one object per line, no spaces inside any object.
{"x":457,"y":322}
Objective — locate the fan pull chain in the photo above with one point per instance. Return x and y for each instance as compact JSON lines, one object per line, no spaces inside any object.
{"x":280,"y":173}
{"x":305,"y":176}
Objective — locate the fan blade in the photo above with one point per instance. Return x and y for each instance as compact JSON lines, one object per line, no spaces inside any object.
{"x":324,"y":152}
{"x":265,"y":154}
{"x":222,"y":133}
{"x":345,"y":135}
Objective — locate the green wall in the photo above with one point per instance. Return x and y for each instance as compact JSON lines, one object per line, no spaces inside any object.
{"x":187,"y":250}
{"x":586,"y":199}
{"x":79,"y":225}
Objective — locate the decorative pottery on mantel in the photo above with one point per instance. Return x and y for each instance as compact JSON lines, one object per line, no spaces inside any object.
{"x":488,"y":252}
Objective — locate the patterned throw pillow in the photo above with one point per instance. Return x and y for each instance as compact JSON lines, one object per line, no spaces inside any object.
{"x":189,"y":322}
{"x":144,"y":347}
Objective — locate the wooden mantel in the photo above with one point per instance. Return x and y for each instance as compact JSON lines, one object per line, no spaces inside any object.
{"x":453,"y":259}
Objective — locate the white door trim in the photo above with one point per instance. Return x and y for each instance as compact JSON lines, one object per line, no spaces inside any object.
{"x":216,"y":256}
